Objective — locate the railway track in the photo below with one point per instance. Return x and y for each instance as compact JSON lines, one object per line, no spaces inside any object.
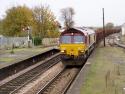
{"x":63,"y":79}
{"x":120,"y":45}
{"x":60,"y":83}
{"x":111,"y":40}
{"x":16,"y":84}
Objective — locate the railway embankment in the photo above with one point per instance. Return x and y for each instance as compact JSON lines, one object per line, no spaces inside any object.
{"x":105,"y":73}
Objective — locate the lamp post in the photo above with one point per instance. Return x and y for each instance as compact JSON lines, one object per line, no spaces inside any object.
{"x":103,"y":26}
{"x":28,"y":29}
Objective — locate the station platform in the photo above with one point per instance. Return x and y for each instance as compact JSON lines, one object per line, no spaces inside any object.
{"x":103,"y":73}
{"x":7,"y":59}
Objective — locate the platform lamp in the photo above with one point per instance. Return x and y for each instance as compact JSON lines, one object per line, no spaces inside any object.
{"x":103,"y":26}
{"x":28,"y":29}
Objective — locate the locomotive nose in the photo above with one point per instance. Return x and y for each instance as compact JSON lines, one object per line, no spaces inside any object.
{"x":72,"y":52}
{"x":72,"y":49}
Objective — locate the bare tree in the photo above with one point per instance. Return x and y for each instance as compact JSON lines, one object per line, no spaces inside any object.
{"x":67,"y":16}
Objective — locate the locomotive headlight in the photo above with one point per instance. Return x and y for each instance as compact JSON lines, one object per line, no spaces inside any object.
{"x":62,"y":51}
{"x":81,"y":51}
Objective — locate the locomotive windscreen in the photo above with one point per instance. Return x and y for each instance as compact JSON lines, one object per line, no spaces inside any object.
{"x":66,"y":39}
{"x":78,"y":39}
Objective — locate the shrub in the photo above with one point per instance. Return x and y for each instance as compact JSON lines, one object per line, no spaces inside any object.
{"x":37,"y":41}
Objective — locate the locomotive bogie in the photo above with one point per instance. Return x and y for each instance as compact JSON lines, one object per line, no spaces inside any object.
{"x":72,"y":60}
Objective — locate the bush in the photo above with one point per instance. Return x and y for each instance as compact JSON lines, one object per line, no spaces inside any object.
{"x":37,"y":41}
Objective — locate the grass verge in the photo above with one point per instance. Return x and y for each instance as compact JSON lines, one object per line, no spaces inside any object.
{"x":107,"y":72}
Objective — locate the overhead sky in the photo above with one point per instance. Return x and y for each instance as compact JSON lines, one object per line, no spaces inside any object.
{"x":87,"y":12}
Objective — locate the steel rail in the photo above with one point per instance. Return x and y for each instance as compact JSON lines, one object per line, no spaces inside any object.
{"x":44,"y":89}
{"x":14,"y":85}
{"x":49,"y":83}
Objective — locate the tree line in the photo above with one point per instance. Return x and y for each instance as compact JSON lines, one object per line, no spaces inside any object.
{"x":40,"y":19}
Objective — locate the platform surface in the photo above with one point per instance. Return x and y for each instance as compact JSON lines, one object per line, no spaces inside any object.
{"x":7,"y":59}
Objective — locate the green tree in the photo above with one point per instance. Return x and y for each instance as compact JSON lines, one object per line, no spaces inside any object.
{"x":16,"y":19}
{"x":45,"y":24}
{"x":1,"y":27}
{"x":109,"y":25}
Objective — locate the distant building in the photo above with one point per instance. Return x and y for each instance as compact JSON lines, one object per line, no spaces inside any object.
{"x":123,"y":29}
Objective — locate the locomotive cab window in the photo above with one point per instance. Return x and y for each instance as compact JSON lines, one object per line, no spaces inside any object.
{"x":66,"y":39}
{"x":79,"y":39}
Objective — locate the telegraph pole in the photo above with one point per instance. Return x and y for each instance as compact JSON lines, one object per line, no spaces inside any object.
{"x":103,"y":26}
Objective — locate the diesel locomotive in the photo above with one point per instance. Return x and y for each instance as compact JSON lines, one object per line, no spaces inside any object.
{"x":76,"y":44}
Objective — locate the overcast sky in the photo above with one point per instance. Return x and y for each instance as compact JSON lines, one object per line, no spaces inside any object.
{"x":87,"y":12}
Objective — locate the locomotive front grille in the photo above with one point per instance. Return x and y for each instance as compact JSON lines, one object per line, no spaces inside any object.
{"x":72,"y":49}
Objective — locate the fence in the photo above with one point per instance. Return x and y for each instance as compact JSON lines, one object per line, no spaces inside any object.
{"x":7,"y":42}
{"x":50,"y":41}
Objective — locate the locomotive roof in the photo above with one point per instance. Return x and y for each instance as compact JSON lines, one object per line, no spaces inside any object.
{"x":83,"y":30}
